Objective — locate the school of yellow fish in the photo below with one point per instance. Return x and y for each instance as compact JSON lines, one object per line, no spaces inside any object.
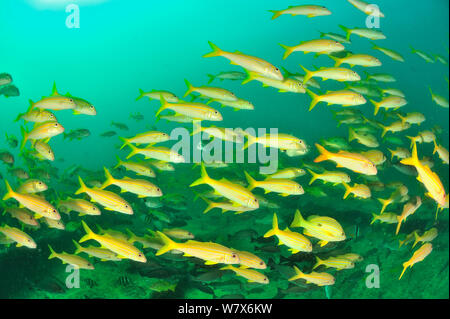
{"x":27,"y":204}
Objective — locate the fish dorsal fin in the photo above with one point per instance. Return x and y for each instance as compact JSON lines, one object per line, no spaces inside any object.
{"x":54,"y":89}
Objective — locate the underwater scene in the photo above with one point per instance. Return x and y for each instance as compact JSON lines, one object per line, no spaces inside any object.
{"x":224,"y":149}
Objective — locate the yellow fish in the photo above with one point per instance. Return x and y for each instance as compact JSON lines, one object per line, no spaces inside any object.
{"x":212,"y":253}
{"x":286,"y":85}
{"x":236,"y":193}
{"x":330,"y":177}
{"x":74,"y":260}
{"x":34,"y":203}
{"x":344,"y":98}
{"x":320,"y":46}
{"x":335,"y":262}
{"x":338,"y":74}
{"x":305,"y":10}
{"x":366,"y":8}
{"x":196,"y":111}
{"x":139,"y":168}
{"x":122,"y":248}
{"x":156,"y":95}
{"x":427,"y":177}
{"x":18,"y":236}
{"x":78,"y":205}
{"x":357,"y":59}
{"x":248,"y":62}
{"x":101,"y":253}
{"x":109,"y":200}
{"x":427,"y":236}
{"x":358,"y":190}
{"x":390,"y":102}
{"x":41,"y":131}
{"x":251,"y":275}
{"x":295,"y":241}
{"x":280,"y":141}
{"x":284,"y":187}
{"x":317,"y":278}
{"x":324,"y":228}
{"x":287,"y":173}
{"x":352,"y":161}
{"x":408,"y":209}
{"x":140,"y":187}
{"x":418,"y":256}
{"x":32,"y":186}
{"x":151,"y":137}
{"x":210,"y":92}
{"x":250,"y":260}
{"x":160,"y":153}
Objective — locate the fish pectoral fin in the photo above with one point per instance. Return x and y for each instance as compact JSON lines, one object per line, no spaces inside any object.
{"x":121,"y":257}
{"x":266,"y":191}
{"x":210,"y":263}
{"x":293,"y":251}
{"x":19,"y":245}
{"x":142,"y":196}
{"x":187,"y":255}
{"x":284,"y":195}
{"x":110,"y":209}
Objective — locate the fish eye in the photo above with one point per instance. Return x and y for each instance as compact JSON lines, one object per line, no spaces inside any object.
{"x":261,"y":263}
{"x":54,"y":211}
{"x":126,"y":206}
{"x":233,"y":256}
{"x":140,"y":255}
{"x":277,"y":69}
{"x":158,"y":190}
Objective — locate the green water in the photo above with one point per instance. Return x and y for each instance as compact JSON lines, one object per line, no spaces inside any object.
{"x":121,"y":47}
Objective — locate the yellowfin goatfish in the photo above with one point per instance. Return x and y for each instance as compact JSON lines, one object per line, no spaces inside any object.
{"x":156,"y":95}
{"x":442,"y":152}
{"x":109,"y":200}
{"x":352,"y":161}
{"x":390,"y":53}
{"x":280,"y":141}
{"x":368,"y":9}
{"x":295,"y":241}
{"x":159,"y":153}
{"x":210,"y":92}
{"x":358,"y":190}
{"x":234,"y":192}
{"x":138,"y":168}
{"x":335,"y":262}
{"x":78,"y":205}
{"x":390,"y":102}
{"x":338,"y":74}
{"x":284,"y":187}
{"x":197,"y":111}
{"x":363,"y":138}
{"x":320,"y":46}
{"x":34,"y":203}
{"x":371,"y":34}
{"x":439,"y":99}
{"x":44,"y":151}
{"x":326,"y":229}
{"x":357,"y":59}
{"x":140,"y":187}
{"x":344,"y":98}
{"x":152,"y":137}
{"x":318,"y":278}
{"x":251,"y":275}
{"x":212,"y":253}
{"x":21,"y":214}
{"x":36,"y":116}
{"x":329,"y":177}
{"x":305,"y":10}
{"x":122,"y":248}
{"x":32,"y":186}
{"x":101,"y":253}
{"x":408,"y":210}
{"x":427,"y":236}
{"x":74,"y":260}
{"x":249,"y":260}
{"x":18,"y":236}
{"x":41,"y":131}
{"x":428,"y":178}
{"x":287,"y":173}
{"x":286,"y":85}
{"x":418,"y":256}
{"x":247,"y":62}
{"x":54,"y":102}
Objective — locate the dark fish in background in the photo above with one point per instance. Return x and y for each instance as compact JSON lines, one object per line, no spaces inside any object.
{"x":11,"y":140}
{"x":209,"y":276}
{"x":9,"y":90}
{"x":77,"y":134}
{"x":120,"y":126}
{"x":137,"y":117}
{"x":5,"y":79}
{"x":108,"y":134}
{"x":405,"y":169}
{"x":7,"y":158}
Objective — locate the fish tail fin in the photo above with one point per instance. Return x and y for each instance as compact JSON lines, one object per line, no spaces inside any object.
{"x":315,"y":99}
{"x":78,"y":247}
{"x":318,"y":263}
{"x":346,"y":30}
{"x":169,"y":244}
{"x":402,"y":118}
{"x":203,"y":179}
{"x":392,"y":153}
{"x":276,"y":14}
{"x":313,"y":176}
{"x":324,"y":154}
{"x":416,"y":239}
{"x":141,"y":94}
{"x":249,"y":76}
{"x":337,"y":61}
{"x":82,"y":188}
{"x":24,"y":137}
{"x":412,"y":49}
{"x":252,"y":183}
{"x":216,"y":51}
{"x":134,"y":149}
{"x":413,"y":160}
{"x":197,"y":127}
{"x":385,"y":203}
{"x":274,"y":229}
{"x":109,"y":179}
{"x":250,"y":141}
{"x":125,"y":142}
{"x":298,"y":219}
{"x":211,"y":205}
{"x":308,"y":74}
{"x":119,"y":162}
{"x":405,"y":266}
{"x":298,"y":274}
{"x":374,"y":219}
{"x":163,"y":105}
{"x":190,"y":88}
{"x":348,"y":190}
{"x":89,"y":233}
{"x":351,"y":134}
{"x":9,"y":191}
{"x":436,"y":147}
{"x":211,"y":78}
{"x":398,"y":225}
{"x":52,"y":253}
{"x":376,"y":105}
{"x":288,"y":50}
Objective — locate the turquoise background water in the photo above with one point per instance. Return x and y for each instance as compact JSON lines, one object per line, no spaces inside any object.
{"x":122,"y":46}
